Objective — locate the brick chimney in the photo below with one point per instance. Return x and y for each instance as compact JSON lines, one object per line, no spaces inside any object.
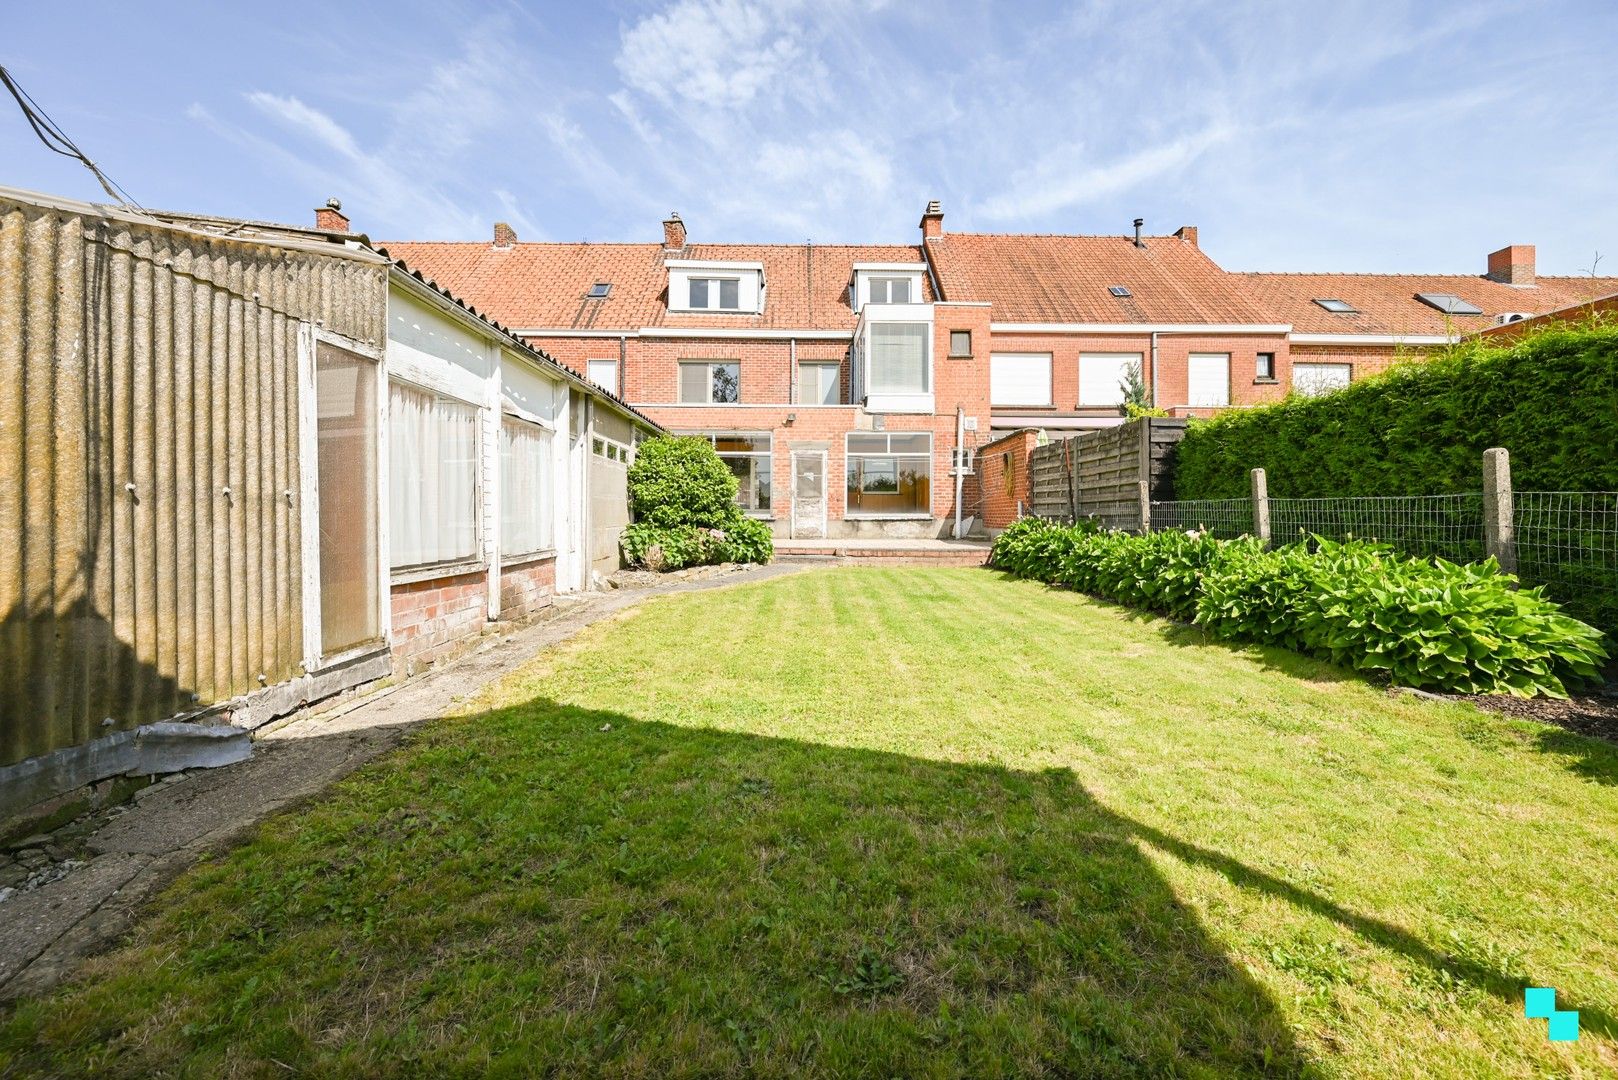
{"x":932,"y":221}
{"x":673,"y":233}
{"x":504,"y":235}
{"x":330,"y":218}
{"x":1188,"y":233}
{"x":1512,"y":265}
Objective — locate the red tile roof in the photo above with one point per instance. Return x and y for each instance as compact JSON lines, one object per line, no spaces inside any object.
{"x":1387,"y":304}
{"x":1064,"y":279}
{"x":546,"y":285}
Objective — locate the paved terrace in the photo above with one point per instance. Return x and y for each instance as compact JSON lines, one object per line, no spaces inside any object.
{"x":886,"y":551}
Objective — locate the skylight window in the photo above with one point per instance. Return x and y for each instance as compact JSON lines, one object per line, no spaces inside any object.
{"x":1449,"y":303}
{"x":600,"y":289}
{"x":1341,"y":307}
{"x":1119,"y":290}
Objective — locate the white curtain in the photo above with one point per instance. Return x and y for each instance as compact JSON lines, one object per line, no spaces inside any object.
{"x":432,"y":478}
{"x":899,"y":358}
{"x":525,"y":488}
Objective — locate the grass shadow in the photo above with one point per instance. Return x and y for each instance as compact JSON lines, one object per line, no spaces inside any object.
{"x":579,"y":891}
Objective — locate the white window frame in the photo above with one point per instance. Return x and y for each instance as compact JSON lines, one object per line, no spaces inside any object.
{"x":866,"y":273}
{"x":748,"y":276}
{"x":547,"y":500}
{"x":590,"y":373}
{"x":821,"y":365}
{"x":849,"y":456}
{"x":679,"y":386}
{"x":1115,"y":393}
{"x":314,"y":657}
{"x":443,"y":567}
{"x":876,"y":388}
{"x":1001,"y":363}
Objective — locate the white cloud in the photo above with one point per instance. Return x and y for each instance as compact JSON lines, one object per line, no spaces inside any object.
{"x":720,"y":54}
{"x":1063,"y":178}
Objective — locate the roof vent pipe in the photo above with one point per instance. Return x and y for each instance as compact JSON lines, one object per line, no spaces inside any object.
{"x":1138,"y":241}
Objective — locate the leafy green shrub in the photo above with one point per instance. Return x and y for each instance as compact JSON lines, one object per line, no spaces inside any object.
{"x":1418,"y":429}
{"x":678,"y":481}
{"x":1464,"y":629}
{"x":684,"y":500}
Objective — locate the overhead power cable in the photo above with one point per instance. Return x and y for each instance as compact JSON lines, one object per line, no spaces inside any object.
{"x":56,"y":140}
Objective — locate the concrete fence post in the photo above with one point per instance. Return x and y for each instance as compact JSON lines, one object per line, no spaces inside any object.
{"x":1499,"y":536}
{"x":1145,"y":507}
{"x":1261,"y":506}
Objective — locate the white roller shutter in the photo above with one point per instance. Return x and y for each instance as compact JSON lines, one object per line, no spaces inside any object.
{"x":1209,"y":380}
{"x":1312,"y":380}
{"x":1020,"y":379}
{"x":1101,"y":377}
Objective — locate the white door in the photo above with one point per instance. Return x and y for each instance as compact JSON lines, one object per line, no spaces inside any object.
{"x":809,"y":493}
{"x":1209,"y":379}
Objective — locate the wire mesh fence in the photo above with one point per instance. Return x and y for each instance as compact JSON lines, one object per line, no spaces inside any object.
{"x":1225,"y":518}
{"x":1567,"y":541}
{"x":1445,"y":526}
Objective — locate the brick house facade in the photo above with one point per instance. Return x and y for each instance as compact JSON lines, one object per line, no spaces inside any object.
{"x":779,"y":352}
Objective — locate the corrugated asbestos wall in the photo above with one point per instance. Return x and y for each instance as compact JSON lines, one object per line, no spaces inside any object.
{"x":144,"y":371}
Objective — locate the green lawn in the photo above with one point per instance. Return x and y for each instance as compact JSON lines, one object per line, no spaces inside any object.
{"x":895,"y":822}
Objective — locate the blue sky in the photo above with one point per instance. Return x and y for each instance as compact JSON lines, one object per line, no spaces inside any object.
{"x":1373,"y":136}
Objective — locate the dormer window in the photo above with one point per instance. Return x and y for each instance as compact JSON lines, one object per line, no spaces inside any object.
{"x":889,"y":290}
{"x":715,"y":294}
{"x":732,"y":288}
{"x":886,"y":283}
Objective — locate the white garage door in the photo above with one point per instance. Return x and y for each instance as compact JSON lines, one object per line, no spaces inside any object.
{"x":1101,"y":377}
{"x":1312,"y":380}
{"x":1020,"y":378}
{"x":1209,"y":380}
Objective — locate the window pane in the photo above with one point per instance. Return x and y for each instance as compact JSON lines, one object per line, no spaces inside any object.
{"x":1312,"y":380}
{"x":899,"y":290}
{"x":694,"y":383}
{"x":345,"y":428}
{"x":1020,"y":378}
{"x":432,"y":478}
{"x":727,"y":381}
{"x":960,"y":343}
{"x":525,"y":485}
{"x":741,"y":444}
{"x":910,"y":444}
{"x":818,"y":384}
{"x":699,"y":292}
{"x":898,"y":362}
{"x":729,"y":294}
{"x":867,"y":444}
{"x":889,"y":484}
{"x":752,"y":479}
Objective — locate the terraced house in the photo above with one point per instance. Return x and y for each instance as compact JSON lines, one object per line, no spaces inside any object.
{"x":849,"y":386}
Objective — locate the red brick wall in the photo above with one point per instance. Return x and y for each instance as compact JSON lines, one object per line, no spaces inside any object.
{"x":527,"y":588}
{"x":430,"y":618}
{"x":1365,"y":360}
{"x":1006,"y":455}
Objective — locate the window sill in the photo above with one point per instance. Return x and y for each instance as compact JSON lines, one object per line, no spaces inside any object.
{"x":857,"y":516}
{"x":960,"y":356}
{"x":460,"y":568}
{"x":1266,"y":382}
{"x":507,"y":562}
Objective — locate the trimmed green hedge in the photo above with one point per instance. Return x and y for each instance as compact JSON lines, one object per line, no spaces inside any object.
{"x":1464,"y":629}
{"x":1420,"y":428}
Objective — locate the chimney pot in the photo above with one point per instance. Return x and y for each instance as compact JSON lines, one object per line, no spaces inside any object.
{"x":504,"y":235}
{"x":932,"y":220}
{"x":1513,"y":265}
{"x":673,"y":233}
{"x":1188,"y":233}
{"x":330,"y":218}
